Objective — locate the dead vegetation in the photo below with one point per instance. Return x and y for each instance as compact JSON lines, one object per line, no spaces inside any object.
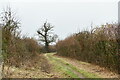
{"x":96,"y":69}
{"x":36,"y":68}
{"x":98,"y":46}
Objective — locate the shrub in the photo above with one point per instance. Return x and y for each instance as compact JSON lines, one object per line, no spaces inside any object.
{"x":98,"y":46}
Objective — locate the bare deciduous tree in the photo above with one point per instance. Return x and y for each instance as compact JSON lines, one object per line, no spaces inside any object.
{"x":46,"y":35}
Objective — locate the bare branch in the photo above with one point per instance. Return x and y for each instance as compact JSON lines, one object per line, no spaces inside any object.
{"x":46,"y":35}
{"x":40,"y":33}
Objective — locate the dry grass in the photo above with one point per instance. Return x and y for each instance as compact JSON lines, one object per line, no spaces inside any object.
{"x":38,"y":67}
{"x":96,"y":69}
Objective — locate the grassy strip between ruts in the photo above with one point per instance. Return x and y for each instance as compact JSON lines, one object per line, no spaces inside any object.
{"x":59,"y":63}
{"x":60,"y":67}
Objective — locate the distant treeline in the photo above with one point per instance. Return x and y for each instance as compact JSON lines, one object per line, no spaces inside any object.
{"x":98,"y":46}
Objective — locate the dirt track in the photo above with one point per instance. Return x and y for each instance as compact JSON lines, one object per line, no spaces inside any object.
{"x":53,"y":66}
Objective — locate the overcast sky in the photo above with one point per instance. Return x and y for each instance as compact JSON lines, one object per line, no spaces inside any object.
{"x":68,"y":16}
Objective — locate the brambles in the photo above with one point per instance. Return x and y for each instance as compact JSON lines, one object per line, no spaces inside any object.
{"x":16,"y":50}
{"x":98,"y":46}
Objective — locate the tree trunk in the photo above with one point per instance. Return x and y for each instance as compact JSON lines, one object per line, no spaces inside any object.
{"x":47,"y":47}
